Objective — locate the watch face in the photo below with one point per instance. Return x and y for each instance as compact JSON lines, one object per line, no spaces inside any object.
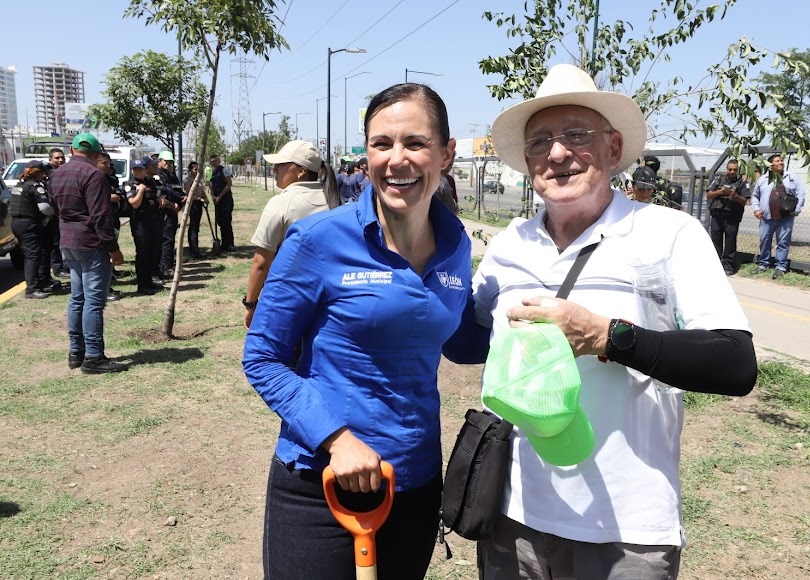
{"x":623,"y":335}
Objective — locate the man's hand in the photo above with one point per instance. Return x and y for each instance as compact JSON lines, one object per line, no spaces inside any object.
{"x":586,"y":332}
{"x":758,"y":214}
{"x":355,"y":464}
{"x":249,"y":312}
{"x":117,"y":258}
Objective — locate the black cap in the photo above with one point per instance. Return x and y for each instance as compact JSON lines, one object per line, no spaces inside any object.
{"x":644,"y":178}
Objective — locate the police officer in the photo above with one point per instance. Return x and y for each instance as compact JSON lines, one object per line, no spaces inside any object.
{"x":104,"y":164}
{"x":174,"y":198}
{"x":221,"y":184}
{"x":30,"y":212}
{"x":146,"y":224}
{"x":667,"y":193}
{"x":727,"y":197}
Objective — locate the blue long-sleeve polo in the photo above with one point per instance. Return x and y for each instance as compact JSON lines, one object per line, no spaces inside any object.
{"x":371,"y":331}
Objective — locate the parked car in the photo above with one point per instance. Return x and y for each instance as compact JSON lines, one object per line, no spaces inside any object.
{"x":493,"y":186}
{"x":8,"y":243}
{"x":15,"y":169}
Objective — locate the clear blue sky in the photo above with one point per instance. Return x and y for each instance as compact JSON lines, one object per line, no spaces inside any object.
{"x":451,"y":44}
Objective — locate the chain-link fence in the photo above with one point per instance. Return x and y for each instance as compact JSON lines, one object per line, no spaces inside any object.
{"x":693,"y":169}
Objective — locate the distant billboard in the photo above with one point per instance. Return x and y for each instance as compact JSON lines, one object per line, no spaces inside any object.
{"x":77,"y":118}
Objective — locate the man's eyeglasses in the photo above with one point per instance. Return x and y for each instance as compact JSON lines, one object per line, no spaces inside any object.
{"x":571,"y":139}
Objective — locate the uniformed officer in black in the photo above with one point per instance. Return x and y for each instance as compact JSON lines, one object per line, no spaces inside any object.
{"x":727,"y":197}
{"x":30,"y":211}
{"x":172,"y":192}
{"x":221,"y":183}
{"x":146,"y":224}
{"x":104,"y":164}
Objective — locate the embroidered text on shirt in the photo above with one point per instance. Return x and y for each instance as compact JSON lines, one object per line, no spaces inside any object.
{"x":366,"y":277}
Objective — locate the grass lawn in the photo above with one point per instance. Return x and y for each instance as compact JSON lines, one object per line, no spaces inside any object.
{"x":160,"y":472}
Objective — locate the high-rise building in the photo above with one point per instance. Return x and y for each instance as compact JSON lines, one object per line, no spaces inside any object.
{"x":8,"y":98}
{"x":55,"y":85}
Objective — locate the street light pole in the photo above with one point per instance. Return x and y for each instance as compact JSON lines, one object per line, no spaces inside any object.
{"x":317,"y":123}
{"x":421,"y":72}
{"x":345,"y":108}
{"x":329,"y":54}
{"x":264,"y":145}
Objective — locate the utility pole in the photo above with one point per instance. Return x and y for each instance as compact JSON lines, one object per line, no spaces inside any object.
{"x":473,"y":166}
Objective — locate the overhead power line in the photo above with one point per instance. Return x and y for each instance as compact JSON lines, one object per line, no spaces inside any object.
{"x":383,"y":51}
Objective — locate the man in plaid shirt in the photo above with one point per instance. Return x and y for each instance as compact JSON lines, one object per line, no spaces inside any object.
{"x":81,"y":199}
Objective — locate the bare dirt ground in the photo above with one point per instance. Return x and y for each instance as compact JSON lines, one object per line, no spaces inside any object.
{"x":160,"y":472}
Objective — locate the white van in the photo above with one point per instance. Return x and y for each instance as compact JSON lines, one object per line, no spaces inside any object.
{"x":121,"y":156}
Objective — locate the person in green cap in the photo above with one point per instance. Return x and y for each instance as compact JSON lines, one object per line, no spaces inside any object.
{"x":80,"y":196}
{"x":613,"y":511}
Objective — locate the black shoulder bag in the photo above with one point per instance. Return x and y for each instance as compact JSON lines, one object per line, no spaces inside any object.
{"x":476,"y":472}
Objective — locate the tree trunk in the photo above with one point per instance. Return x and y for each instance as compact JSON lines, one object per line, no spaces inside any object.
{"x":168,"y":323}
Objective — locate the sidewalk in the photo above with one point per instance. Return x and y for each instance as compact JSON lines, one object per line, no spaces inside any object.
{"x":779,"y":315}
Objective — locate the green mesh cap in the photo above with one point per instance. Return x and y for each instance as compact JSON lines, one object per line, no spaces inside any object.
{"x":532,"y":381}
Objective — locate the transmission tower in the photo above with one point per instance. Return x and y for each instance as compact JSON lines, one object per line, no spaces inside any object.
{"x":241,"y":119}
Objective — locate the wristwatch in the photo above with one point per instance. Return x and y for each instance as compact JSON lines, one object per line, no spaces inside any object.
{"x":250,"y":305}
{"x":621,"y":336}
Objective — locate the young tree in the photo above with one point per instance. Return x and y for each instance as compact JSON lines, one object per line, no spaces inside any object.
{"x":723,"y":103}
{"x":215,"y":143}
{"x":137,"y":108}
{"x":209,"y":28}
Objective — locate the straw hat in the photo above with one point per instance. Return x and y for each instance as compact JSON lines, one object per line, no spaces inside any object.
{"x":566,"y":84}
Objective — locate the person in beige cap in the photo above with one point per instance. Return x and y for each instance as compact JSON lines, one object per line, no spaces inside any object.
{"x":296,"y":168}
{"x":616,"y":513}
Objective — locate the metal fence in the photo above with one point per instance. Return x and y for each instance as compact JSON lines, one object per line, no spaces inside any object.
{"x":694,"y":173}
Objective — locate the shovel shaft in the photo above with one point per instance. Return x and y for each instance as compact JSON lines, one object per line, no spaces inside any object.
{"x":366,"y":572}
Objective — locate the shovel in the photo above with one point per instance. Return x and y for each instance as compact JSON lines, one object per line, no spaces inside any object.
{"x":216,"y":245}
{"x":362,"y":525}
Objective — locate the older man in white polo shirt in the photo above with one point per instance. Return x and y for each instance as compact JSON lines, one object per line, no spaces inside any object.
{"x":616,"y":513}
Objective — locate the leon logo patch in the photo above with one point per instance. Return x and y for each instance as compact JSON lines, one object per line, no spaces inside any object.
{"x":450,"y":281}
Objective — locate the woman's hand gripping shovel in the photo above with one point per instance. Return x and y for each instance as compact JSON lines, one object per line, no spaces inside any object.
{"x":362,"y":525}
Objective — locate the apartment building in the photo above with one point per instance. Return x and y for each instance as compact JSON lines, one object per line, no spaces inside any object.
{"x":8,"y":97}
{"x":55,"y":85}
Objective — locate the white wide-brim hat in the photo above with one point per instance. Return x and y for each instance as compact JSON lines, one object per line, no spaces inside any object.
{"x":566,"y":84}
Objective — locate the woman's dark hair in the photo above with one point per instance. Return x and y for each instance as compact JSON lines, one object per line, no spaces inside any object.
{"x":192,"y":165}
{"x":329,"y":184}
{"x":412,"y":91}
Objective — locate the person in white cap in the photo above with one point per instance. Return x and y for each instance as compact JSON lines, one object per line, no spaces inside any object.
{"x":295,"y":167}
{"x":615,"y":514}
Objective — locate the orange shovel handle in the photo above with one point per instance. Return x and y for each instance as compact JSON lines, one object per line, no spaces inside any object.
{"x":362,"y":525}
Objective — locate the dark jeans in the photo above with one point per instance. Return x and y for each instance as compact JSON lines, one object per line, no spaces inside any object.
{"x":723,"y":231}
{"x":302,"y":539}
{"x":31,"y":234}
{"x":224,"y":214}
{"x":194,"y":220}
{"x":783,"y":229}
{"x":90,"y":276}
{"x":170,"y":225}
{"x":146,"y":232}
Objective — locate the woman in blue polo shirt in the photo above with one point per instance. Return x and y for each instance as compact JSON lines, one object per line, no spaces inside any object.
{"x":370,"y":291}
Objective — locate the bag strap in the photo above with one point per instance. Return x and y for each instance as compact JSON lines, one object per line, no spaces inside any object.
{"x":582,"y":258}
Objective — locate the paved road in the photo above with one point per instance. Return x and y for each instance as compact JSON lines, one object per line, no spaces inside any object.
{"x":9,"y":277}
